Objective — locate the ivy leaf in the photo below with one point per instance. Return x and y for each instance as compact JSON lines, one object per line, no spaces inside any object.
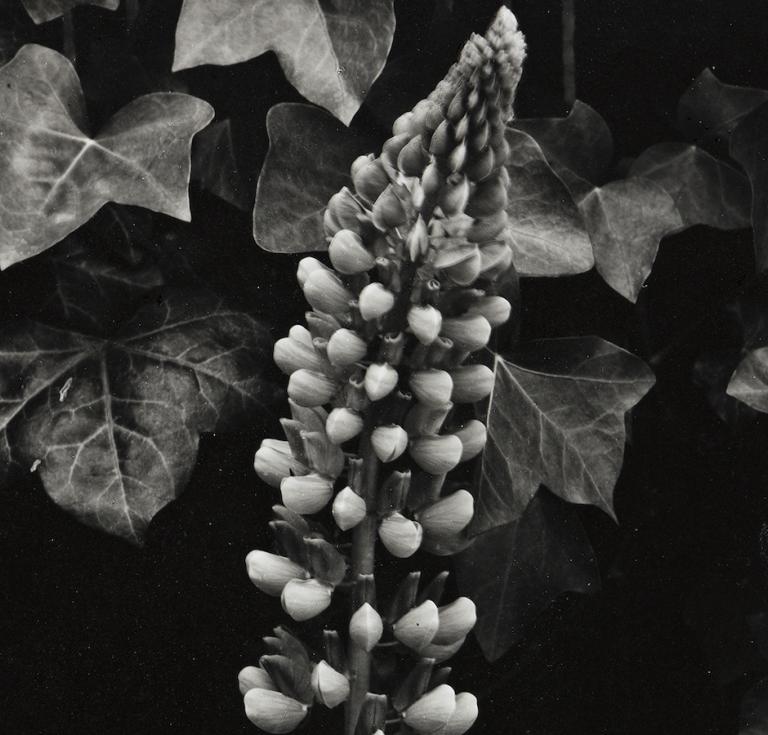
{"x":542,"y":555}
{"x":580,"y":142}
{"x":331,"y":52}
{"x":749,"y":382}
{"x":214,"y":165}
{"x":706,"y":191}
{"x":556,"y":418}
{"x":749,"y":146}
{"x":42,"y":11}
{"x":710,"y":109}
{"x":308,"y":161}
{"x":546,"y":230}
{"x":115,"y":422}
{"x":54,"y":176}
{"x":626,"y":220}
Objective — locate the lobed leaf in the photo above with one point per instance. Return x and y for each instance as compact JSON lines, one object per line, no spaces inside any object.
{"x":556,"y":418}
{"x":308,"y":161}
{"x":749,"y":382}
{"x":54,"y":176}
{"x":536,"y":558}
{"x":545,"y":227}
{"x":331,"y":52}
{"x":42,"y":11}
{"x":112,"y":425}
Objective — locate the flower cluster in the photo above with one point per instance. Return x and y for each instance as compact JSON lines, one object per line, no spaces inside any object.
{"x":381,"y":384}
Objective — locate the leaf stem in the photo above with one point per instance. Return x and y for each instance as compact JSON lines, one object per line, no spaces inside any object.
{"x":68,"y":36}
{"x":569,"y":53}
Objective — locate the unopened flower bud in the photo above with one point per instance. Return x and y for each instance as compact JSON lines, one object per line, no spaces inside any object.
{"x":403,"y":123}
{"x":473,"y":437}
{"x":306,"y":494}
{"x":449,"y":515}
{"x":454,"y":195}
{"x":425,"y":322}
{"x":496,"y":309}
{"x":400,"y":535}
{"x":488,"y":198}
{"x":348,"y":509}
{"x":254,"y":677}
{"x":389,"y":442}
{"x":466,"y":272}
{"x":380,"y":380}
{"x":366,"y":627}
{"x":303,"y":599}
{"x":417,"y":240}
{"x":496,"y":259}
{"x":375,"y":301}
{"x":342,"y":425}
{"x":306,"y":266}
{"x":469,"y":332}
{"x":431,"y":387}
{"x":418,"y":626}
{"x":360,"y":163}
{"x":291,"y":355}
{"x":310,"y":388}
{"x":431,"y":179}
{"x":274,"y":712}
{"x":487,"y":228}
{"x":441,"y":139}
{"x":455,"y":621}
{"x":458,"y":157}
{"x":388,"y":210}
{"x":342,"y":213}
{"x":471,"y":383}
{"x":432,"y":710}
{"x":441,"y":652}
{"x":463,"y":716}
{"x":346,"y":347}
{"x":348,"y":254}
{"x":273,"y":461}
{"x":436,"y":454}
{"x":413,"y":158}
{"x":481,"y":164}
{"x":331,"y":687}
{"x":422,"y":419}
{"x":271,"y":572}
{"x":326,"y":293}
{"x":369,"y":178}
{"x":321,"y":326}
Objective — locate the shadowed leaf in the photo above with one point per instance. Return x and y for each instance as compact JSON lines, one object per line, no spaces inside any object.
{"x":706,"y":191}
{"x":710,"y":109}
{"x":214,"y":165}
{"x":308,"y":161}
{"x":535,"y":559}
{"x":556,"y":418}
{"x":626,"y":221}
{"x":580,"y":142}
{"x":331,"y":52}
{"x":749,"y":382}
{"x":54,"y":176}
{"x":115,"y":422}
{"x":44,"y":10}
{"x":546,"y":230}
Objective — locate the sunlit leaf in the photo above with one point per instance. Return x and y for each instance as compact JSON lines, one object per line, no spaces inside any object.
{"x":626,"y":221}
{"x":749,"y":382}
{"x":556,"y":418}
{"x":115,"y":422}
{"x":308,"y":161}
{"x":710,"y":109}
{"x":545,"y":227}
{"x":215,"y":167}
{"x":54,"y":176}
{"x":540,"y":556}
{"x":706,"y":191}
{"x":331,"y":52}
{"x":44,"y":10}
{"x":580,"y":142}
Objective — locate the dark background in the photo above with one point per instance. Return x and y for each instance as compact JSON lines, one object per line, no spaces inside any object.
{"x":98,"y":637}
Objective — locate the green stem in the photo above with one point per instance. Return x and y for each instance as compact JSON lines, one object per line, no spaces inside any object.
{"x":569,"y":54}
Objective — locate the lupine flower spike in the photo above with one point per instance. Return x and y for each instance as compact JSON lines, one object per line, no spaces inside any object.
{"x":381,"y":383}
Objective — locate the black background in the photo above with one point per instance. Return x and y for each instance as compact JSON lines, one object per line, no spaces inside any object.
{"x":98,"y":637}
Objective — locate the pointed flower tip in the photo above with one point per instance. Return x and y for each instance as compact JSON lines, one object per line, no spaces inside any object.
{"x":274,"y":712}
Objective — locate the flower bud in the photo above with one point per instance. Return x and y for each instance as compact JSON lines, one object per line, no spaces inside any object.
{"x":290,"y":355}
{"x":454,"y":195}
{"x":455,"y":621}
{"x":400,"y":535}
{"x":331,"y":688}
{"x":458,"y":157}
{"x":431,"y":179}
{"x":473,"y":436}
{"x":481,"y":165}
{"x":496,"y":309}
{"x":270,"y":572}
{"x":310,"y":388}
{"x":321,"y":326}
{"x":441,"y":652}
{"x":326,"y":293}
{"x":342,"y":213}
{"x":488,"y":228}
{"x":302,"y":599}
{"x":469,"y":332}
{"x":391,"y":149}
{"x":425,"y":322}
{"x":436,"y":454}
{"x":366,"y":627}
{"x":463,"y":716}
{"x":403,"y":123}
{"x":471,"y":383}
{"x":274,"y":712}
{"x":432,"y":710}
{"x":431,"y":387}
{"x":369,"y":178}
{"x":388,"y":210}
{"x":389,"y":442}
{"x":422,"y":419}
{"x":375,"y":301}
{"x":306,"y":494}
{"x":254,"y":677}
{"x":342,"y":425}
{"x":488,"y":198}
{"x":348,"y":509}
{"x":346,"y":347}
{"x":496,"y":259}
{"x":449,"y":515}
{"x":417,"y":240}
{"x":274,"y":461}
{"x":306,"y":266}
{"x":380,"y":380}
{"x":348,"y":254}
{"x":467,"y":271}
{"x":418,"y":626}
{"x":442,"y":139}
{"x":412,"y":157}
